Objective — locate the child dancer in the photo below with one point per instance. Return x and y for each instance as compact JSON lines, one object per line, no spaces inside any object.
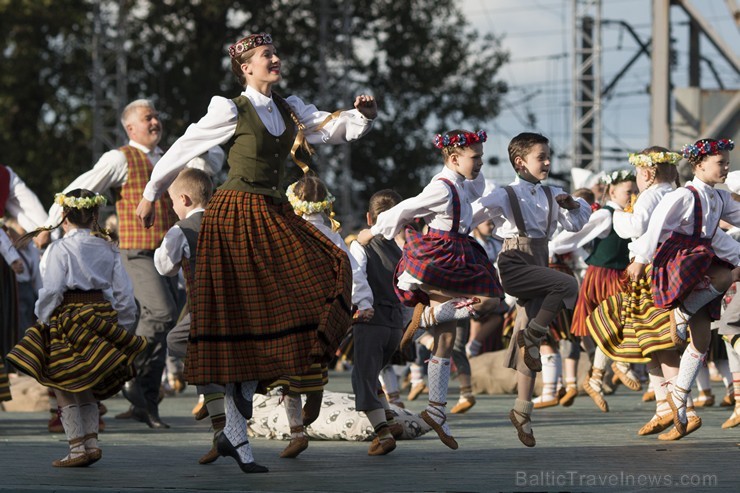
{"x":687,"y":274}
{"x":604,"y":275}
{"x":377,"y":339}
{"x":313,"y":202}
{"x":531,"y":211}
{"x":81,"y":346}
{"x":189,"y":193}
{"x":445,"y":274}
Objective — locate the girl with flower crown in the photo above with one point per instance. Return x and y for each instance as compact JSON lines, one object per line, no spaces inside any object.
{"x":313,"y":202}
{"x":689,"y":271}
{"x":273,"y":292}
{"x":445,"y":274}
{"x":81,"y":345}
{"x":604,"y":275}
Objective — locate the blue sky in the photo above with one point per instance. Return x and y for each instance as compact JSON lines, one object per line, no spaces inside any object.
{"x":537,"y":34}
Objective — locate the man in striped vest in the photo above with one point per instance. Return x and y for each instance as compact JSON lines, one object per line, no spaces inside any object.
{"x":126,"y":171}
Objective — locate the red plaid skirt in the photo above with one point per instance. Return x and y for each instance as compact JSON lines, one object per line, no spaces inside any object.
{"x":680,"y":264}
{"x":449,"y":261}
{"x":272,"y":297}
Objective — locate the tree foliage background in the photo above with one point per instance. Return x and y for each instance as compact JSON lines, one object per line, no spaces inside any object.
{"x":429,"y":72}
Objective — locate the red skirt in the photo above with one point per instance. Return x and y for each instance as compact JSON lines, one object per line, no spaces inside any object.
{"x":272,"y":297}
{"x":448,"y":261}
{"x":680,"y":265}
{"x":598,"y":284}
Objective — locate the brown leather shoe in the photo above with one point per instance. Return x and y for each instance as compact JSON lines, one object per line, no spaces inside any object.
{"x":128,"y":414}
{"x":463,"y":405}
{"x":396,"y":429}
{"x":81,"y":460}
{"x":693,"y":424}
{"x":534,"y":364}
{"x":570,"y":396}
{"x":210,"y":456}
{"x":416,"y":390}
{"x":437,"y":427}
{"x":704,"y":399}
{"x":548,"y":403}
{"x":94,"y":455}
{"x":294,"y":448}
{"x":656,"y":425}
{"x":732,"y":421}
{"x":677,"y":423}
{"x":524,"y":437}
{"x":382,"y":447}
{"x":596,"y":396}
{"x":625,"y":378}
{"x":412,"y":327}
{"x":201,"y":414}
{"x":727,"y":401}
{"x":678,"y":339}
{"x":648,"y":396}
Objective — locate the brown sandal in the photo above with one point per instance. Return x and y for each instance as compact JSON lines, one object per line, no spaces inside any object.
{"x":680,"y":425}
{"x":437,"y":427}
{"x":413,"y":326}
{"x":296,"y":445}
{"x":524,"y":437}
{"x":532,"y":363}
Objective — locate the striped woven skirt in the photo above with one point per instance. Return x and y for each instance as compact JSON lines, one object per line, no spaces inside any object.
{"x":4,"y":383}
{"x":273,"y":293}
{"x":82,"y":348}
{"x":598,"y":284}
{"x":628,"y":327}
{"x":312,"y":381}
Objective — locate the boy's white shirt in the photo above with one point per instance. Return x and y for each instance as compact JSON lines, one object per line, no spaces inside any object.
{"x":675,"y":212}
{"x":85,"y":262}
{"x":434,"y":205}
{"x":362,"y":294}
{"x":24,"y":205}
{"x":219,"y":124}
{"x":534,"y":205}
{"x":174,"y":247}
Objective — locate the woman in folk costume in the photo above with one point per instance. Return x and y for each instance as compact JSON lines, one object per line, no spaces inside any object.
{"x":628,"y":327}
{"x":445,"y":274}
{"x":690,"y":272}
{"x":313,"y":202}
{"x":273,"y":293}
{"x":81,"y":346}
{"x":605,"y":273}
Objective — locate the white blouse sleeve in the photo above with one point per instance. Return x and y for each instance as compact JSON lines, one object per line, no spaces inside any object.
{"x":54,"y":273}
{"x":215,"y":128}
{"x":349,"y":126}
{"x":434,"y":199}
{"x":573,"y":220}
{"x":24,"y":205}
{"x":598,"y":226}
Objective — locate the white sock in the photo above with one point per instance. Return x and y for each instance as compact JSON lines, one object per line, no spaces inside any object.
{"x":236,"y":426}
{"x":472,"y":348}
{"x":90,"y":417}
{"x":601,"y":360}
{"x":293,"y":408}
{"x":691,"y":361}
{"x":417,"y":374}
{"x":702,"y":379}
{"x":72,"y":422}
{"x":549,"y":377}
{"x":656,"y":381}
{"x":453,"y":309}
{"x":438,"y":379}
{"x":723,"y":367}
{"x":523,"y":407}
{"x":389,"y":380}
{"x":699,"y":297}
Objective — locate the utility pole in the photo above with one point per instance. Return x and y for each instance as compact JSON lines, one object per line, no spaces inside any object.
{"x":586,"y":93}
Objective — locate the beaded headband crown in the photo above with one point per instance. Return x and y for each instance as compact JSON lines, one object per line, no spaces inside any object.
{"x":464,"y":139}
{"x":251,"y":41}
{"x":80,"y":202}
{"x":707,"y":148}
{"x":653,"y":158}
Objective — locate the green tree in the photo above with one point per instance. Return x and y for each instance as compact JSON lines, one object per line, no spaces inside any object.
{"x":428,"y":70}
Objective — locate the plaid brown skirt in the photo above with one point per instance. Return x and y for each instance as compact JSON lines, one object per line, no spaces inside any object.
{"x":272,"y":296}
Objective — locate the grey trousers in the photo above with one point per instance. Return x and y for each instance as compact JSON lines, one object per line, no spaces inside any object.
{"x":157,"y":299}
{"x":729,"y":323}
{"x":374,"y":346}
{"x":177,"y":345}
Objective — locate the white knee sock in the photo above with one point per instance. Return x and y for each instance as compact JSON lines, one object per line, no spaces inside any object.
{"x":691,"y":361}
{"x":293,"y":408}
{"x":90,"y":423}
{"x":453,"y":309}
{"x":702,"y":379}
{"x":438,"y":379}
{"x":549,"y":377}
{"x":601,"y":360}
{"x":236,"y":426}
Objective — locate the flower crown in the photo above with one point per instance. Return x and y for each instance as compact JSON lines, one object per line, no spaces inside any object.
{"x":704,"y":148}
{"x":251,"y":41}
{"x":79,"y":202}
{"x":304,"y":207}
{"x":653,"y":158}
{"x":464,"y":139}
{"x":618,"y":177}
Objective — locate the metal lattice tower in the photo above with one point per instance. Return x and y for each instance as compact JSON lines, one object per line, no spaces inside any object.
{"x":108,"y":74}
{"x":586,"y":93}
